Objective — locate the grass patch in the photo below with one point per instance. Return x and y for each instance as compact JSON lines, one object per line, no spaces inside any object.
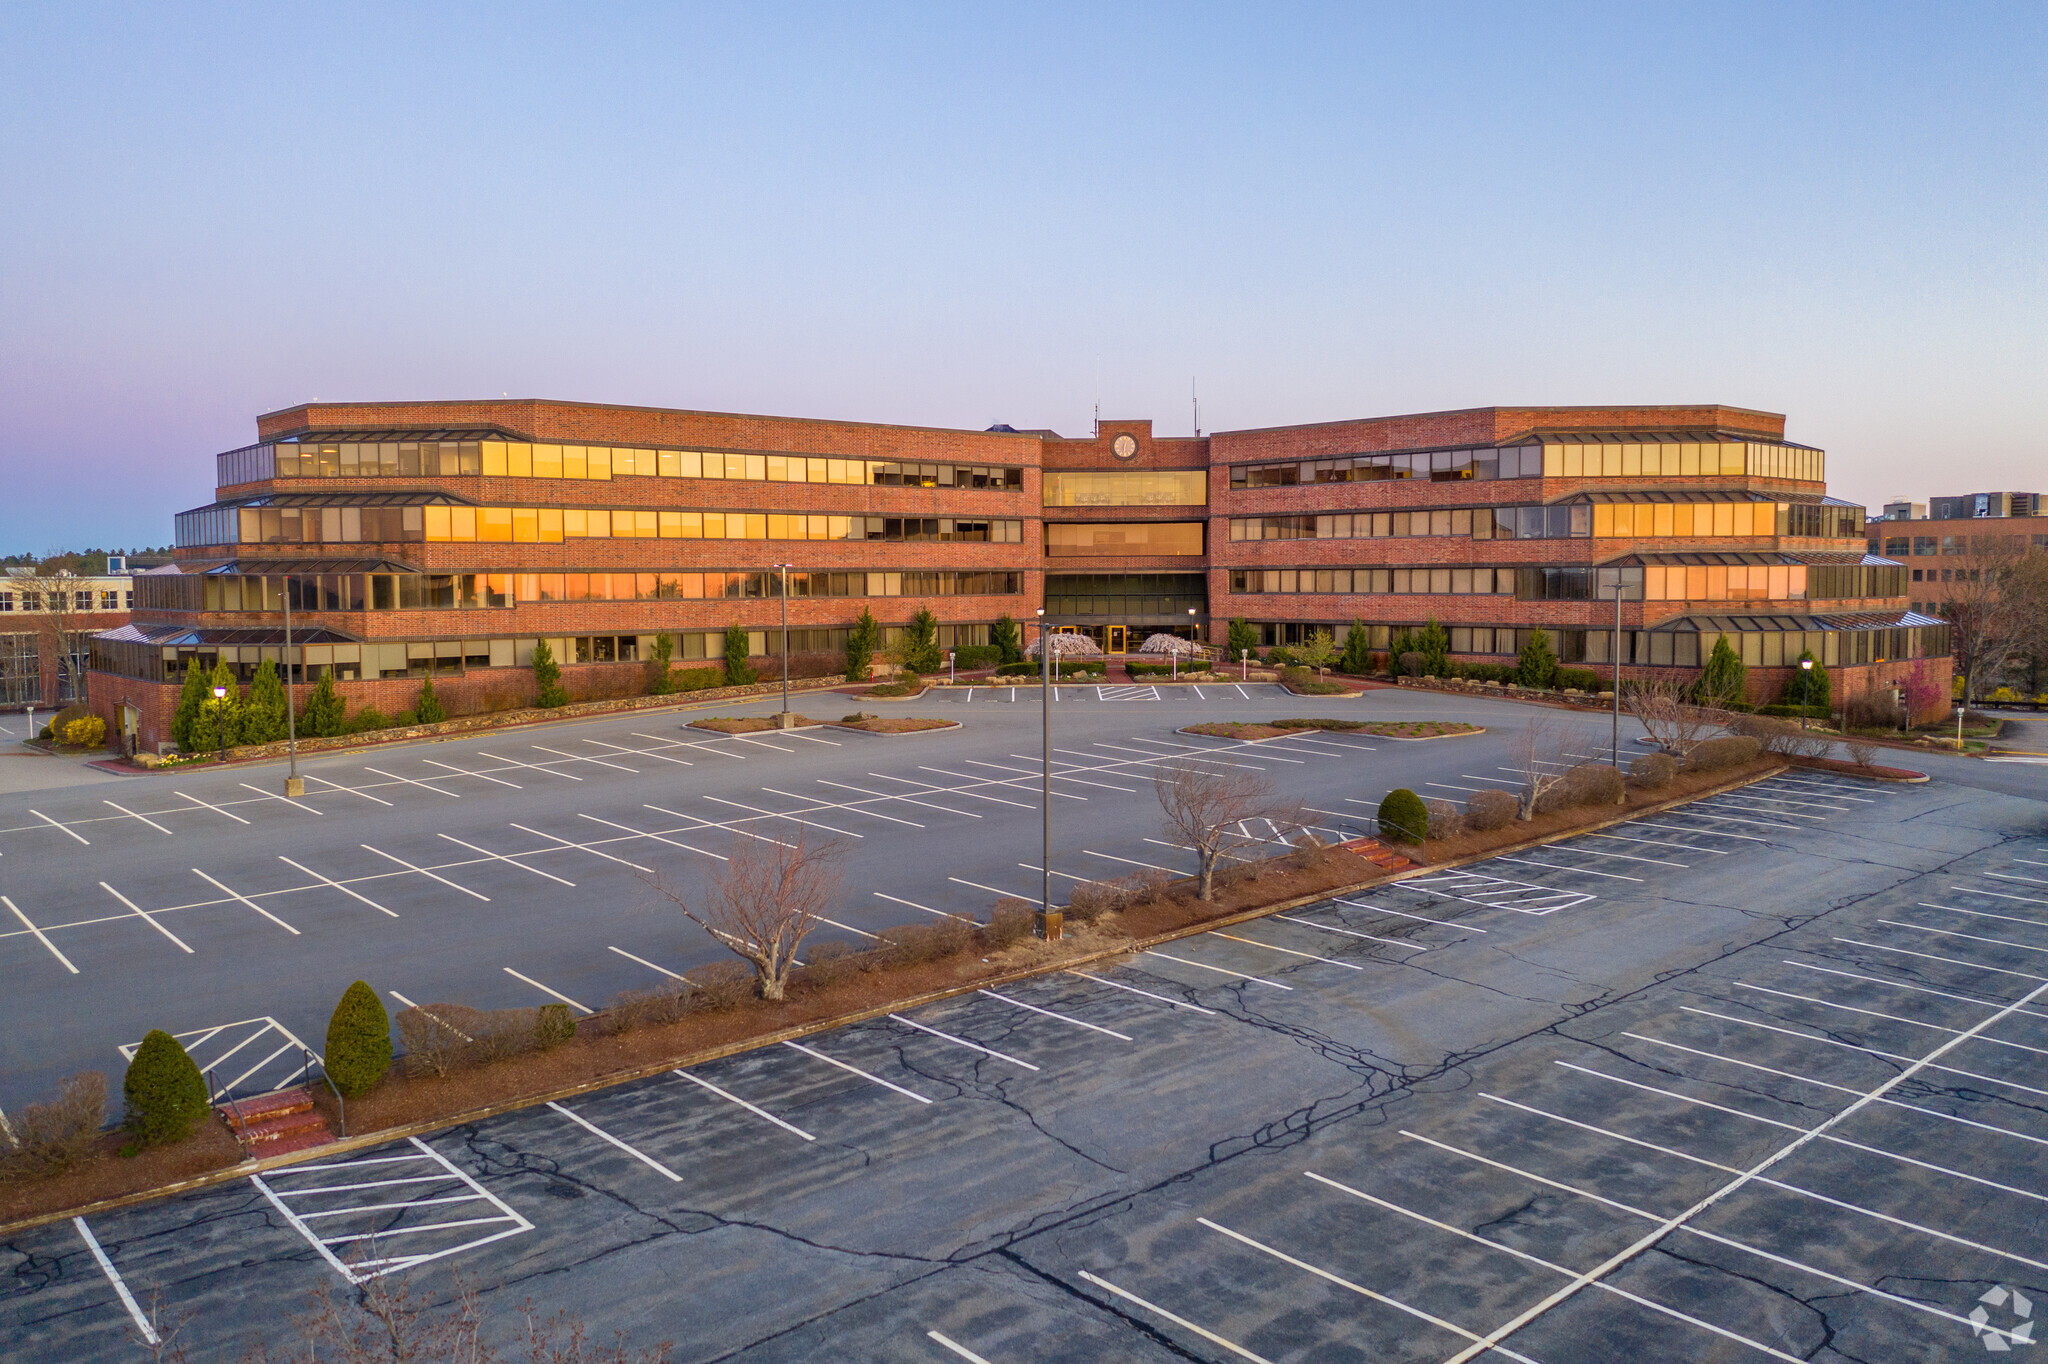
{"x":744,"y":724}
{"x":1384,"y":729}
{"x":895,"y":724}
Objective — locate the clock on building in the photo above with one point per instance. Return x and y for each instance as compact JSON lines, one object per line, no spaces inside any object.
{"x":1124,"y":446}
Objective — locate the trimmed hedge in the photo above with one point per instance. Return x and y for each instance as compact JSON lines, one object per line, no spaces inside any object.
{"x":164,"y":1091}
{"x":1653,"y":771}
{"x":1403,"y":817}
{"x":1715,"y":754}
{"x":358,"y":1041}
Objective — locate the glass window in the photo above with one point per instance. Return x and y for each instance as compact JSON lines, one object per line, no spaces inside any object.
{"x":1124,"y":538}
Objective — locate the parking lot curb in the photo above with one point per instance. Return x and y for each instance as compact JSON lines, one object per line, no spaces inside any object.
{"x":384,"y":1136}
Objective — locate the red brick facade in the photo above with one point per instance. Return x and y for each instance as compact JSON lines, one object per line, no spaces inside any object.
{"x":1034,"y":453}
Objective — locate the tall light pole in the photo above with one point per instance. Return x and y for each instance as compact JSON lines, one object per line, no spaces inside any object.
{"x":1048,"y":927}
{"x":294,"y":784}
{"x":785,"y":720}
{"x":1620,"y":590}
{"x":1805,"y":689}
{"x":220,"y":722}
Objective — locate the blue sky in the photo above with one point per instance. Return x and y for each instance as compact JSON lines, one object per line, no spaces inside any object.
{"x":958,"y":215}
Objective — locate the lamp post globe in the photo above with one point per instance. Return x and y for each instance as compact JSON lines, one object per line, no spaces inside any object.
{"x":220,"y":721}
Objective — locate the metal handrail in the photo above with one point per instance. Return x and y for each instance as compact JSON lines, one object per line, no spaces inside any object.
{"x":340,"y":1103}
{"x":239,"y":1126}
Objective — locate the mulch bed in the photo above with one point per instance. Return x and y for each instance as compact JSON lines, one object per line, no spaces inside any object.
{"x":1384,"y":729}
{"x":894,"y":691}
{"x":1852,"y":770}
{"x":106,"y":1174}
{"x":896,"y":724}
{"x":744,"y":724}
{"x":1683,"y":786}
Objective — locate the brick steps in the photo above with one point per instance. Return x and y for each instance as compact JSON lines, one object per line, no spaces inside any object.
{"x":271,"y":1124}
{"x":1377,"y":853}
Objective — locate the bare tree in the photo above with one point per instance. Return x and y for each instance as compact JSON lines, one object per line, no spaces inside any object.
{"x":1217,"y":810}
{"x":59,"y":607}
{"x":1993,"y":604}
{"x":1668,"y":715}
{"x":765,"y":901}
{"x":1539,"y":757}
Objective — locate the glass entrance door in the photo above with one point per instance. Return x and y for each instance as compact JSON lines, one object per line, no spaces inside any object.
{"x":1115,"y":644}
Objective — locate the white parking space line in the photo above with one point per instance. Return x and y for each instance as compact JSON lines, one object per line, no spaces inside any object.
{"x":585,"y":758}
{"x":1026,"y":776}
{"x":1762,"y":807}
{"x":1696,"y":833}
{"x":337,"y":786}
{"x":328,"y":881}
{"x":1914,"y":989}
{"x":1253,"y":942}
{"x":847,"y":928}
{"x":132,"y":815}
{"x":777,"y":814}
{"x":581,"y":847}
{"x":1968,"y":937}
{"x":1690,"y":813}
{"x":113,"y":1277}
{"x":61,"y":828}
{"x":856,"y":1070}
{"x":465,"y":772}
{"x":649,"y":1161}
{"x":296,"y":805}
{"x":531,"y":767}
{"x":812,"y":802}
{"x":1619,"y":857}
{"x":2008,"y":876}
{"x":672,"y":975}
{"x":908,"y":800}
{"x":66,"y":961}
{"x":1985,"y":913}
{"x":1084,"y":880}
{"x":1079,"y":1023}
{"x":500,"y":857}
{"x":701,"y":824}
{"x":210,"y":806}
{"x":999,"y":781}
{"x":1352,"y":933}
{"x":410,"y":782}
{"x":736,"y":1099}
{"x":1365,"y":1292}
{"x":1179,"y":1321}
{"x":237,"y":895}
{"x":1873,"y":1051}
{"x":956,"y":1347}
{"x":1904,"y":952}
{"x":993,"y":890}
{"x":145,"y":916}
{"x":1419,"y":918}
{"x":1118,"y":985}
{"x":1524,"y":1255}
{"x":1662,"y":843}
{"x":1876,"y":1013}
{"x":925,"y":788}
{"x":941,"y":913}
{"x":1203,"y":966}
{"x":2001,"y":895}
{"x":546,"y":991}
{"x":424,"y":872}
{"x":641,"y":753}
{"x":658,"y":838}
{"x":962,"y":1042}
{"x":1132,"y":862}
{"x":1576,"y":871}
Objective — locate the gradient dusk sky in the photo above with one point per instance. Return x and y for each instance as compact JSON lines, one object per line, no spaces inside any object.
{"x":962,"y":214}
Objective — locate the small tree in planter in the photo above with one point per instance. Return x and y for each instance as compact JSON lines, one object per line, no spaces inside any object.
{"x":547,"y":678}
{"x":1725,"y":681}
{"x":1435,"y":647}
{"x":1538,"y":665}
{"x":861,"y":642}
{"x":1539,"y":759}
{"x":1004,"y":635}
{"x":165,"y":1094}
{"x":324,"y":715}
{"x":263,"y":718}
{"x":429,"y":711}
{"x":660,"y":677}
{"x":1320,"y":650}
{"x":765,"y":900}
{"x":737,"y":651}
{"x":358,"y":1041}
{"x":1209,"y":807}
{"x":1357,"y":658}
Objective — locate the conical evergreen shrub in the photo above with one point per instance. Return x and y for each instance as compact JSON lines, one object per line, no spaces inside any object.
{"x":1403,"y":817}
{"x":358,"y":1041}
{"x":192,"y":701}
{"x":323,"y":716}
{"x":429,"y":711}
{"x":164,"y":1091}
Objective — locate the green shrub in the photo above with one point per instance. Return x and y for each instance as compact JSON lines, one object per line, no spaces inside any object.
{"x":163,"y":1090}
{"x":1579,"y":679}
{"x":367,"y":719}
{"x":699,"y":679}
{"x":1538,"y":664}
{"x":405,"y":719}
{"x":358,"y":1041}
{"x":324,"y":714}
{"x":1434,"y":645}
{"x":918,"y":647}
{"x":554,"y":1026}
{"x":1004,"y":638}
{"x":1280,"y":656}
{"x":1725,"y":680}
{"x":1357,"y":656}
{"x":1715,"y":754}
{"x":1813,"y":688}
{"x":547,"y":678}
{"x":428,"y":709}
{"x":971,"y":657}
{"x":1403,"y":818}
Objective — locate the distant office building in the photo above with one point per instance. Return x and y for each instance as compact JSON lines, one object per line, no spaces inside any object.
{"x":1943,"y":551}
{"x":451,"y":537}
{"x":47,"y":625}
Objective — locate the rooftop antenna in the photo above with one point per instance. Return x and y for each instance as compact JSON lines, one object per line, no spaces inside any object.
{"x":1098,"y":394}
{"x":1197,"y":404}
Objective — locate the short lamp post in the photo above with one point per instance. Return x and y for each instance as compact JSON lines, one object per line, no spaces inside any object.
{"x":1176,"y":652}
{"x":1244,"y":665}
{"x":1805,"y":689}
{"x":220,"y":721}
{"x":952,"y":673}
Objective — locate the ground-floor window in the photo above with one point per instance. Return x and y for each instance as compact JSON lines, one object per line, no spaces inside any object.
{"x":21,"y":671}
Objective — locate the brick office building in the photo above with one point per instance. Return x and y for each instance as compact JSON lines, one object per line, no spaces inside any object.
{"x":449,"y":537}
{"x":47,"y":626}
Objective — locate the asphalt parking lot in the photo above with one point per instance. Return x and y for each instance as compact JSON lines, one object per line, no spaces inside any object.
{"x":1757,"y":1077}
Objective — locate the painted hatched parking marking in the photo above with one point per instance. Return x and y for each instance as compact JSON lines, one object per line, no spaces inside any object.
{"x":1497,"y":892}
{"x":270,"y":1057}
{"x":428,"y":1179}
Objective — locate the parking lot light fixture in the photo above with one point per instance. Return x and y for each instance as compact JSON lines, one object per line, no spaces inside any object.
{"x":220,"y":722}
{"x":1805,"y":688}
